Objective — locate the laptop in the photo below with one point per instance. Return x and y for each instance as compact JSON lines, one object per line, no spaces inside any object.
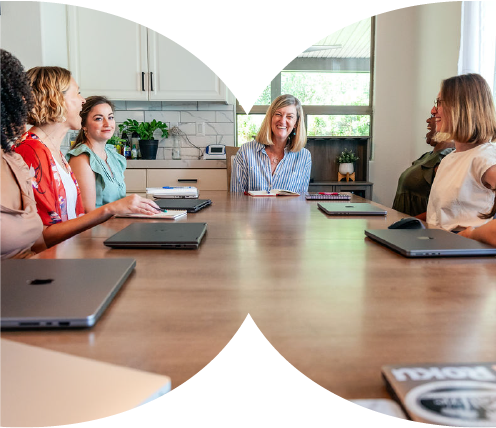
{"x":41,"y":387}
{"x":173,"y":192}
{"x":159,"y":235}
{"x":59,"y":293}
{"x":190,"y":205}
{"x":429,"y":243}
{"x":351,"y":208}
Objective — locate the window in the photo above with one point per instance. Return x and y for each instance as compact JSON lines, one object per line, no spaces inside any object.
{"x":332,"y":79}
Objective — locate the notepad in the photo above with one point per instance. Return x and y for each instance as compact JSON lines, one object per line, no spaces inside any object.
{"x":165,"y":215}
{"x":273,"y":192}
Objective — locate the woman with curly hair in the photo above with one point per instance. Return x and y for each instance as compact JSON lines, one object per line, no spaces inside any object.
{"x":21,"y":227}
{"x":56,"y":111}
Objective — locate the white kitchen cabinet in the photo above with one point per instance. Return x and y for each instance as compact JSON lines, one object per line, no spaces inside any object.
{"x":123,"y":60}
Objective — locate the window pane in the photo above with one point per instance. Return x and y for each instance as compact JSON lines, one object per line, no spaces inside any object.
{"x":342,"y":125}
{"x":264,"y":98}
{"x":326,"y":88}
{"x":248,"y":127}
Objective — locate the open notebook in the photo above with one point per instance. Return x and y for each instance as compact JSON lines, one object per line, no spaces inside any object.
{"x":165,"y":215}
{"x":273,"y":192}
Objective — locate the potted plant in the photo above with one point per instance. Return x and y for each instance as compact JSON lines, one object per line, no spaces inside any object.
{"x":148,"y":144}
{"x":116,"y":143}
{"x":345,"y":160}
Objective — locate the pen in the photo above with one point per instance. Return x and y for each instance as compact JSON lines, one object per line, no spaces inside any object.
{"x":328,"y":193}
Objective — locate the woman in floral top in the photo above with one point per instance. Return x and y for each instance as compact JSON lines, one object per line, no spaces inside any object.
{"x":58,"y":198}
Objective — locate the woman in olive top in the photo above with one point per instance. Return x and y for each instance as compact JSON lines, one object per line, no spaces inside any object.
{"x":414,"y":184}
{"x":99,"y":171}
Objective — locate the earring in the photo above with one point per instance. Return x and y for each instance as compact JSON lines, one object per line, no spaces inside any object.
{"x":63,"y":119}
{"x":294,"y":131}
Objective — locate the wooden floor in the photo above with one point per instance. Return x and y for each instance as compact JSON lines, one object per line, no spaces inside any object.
{"x":335,"y":304}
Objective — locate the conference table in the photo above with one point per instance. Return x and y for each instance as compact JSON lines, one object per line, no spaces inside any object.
{"x":335,"y":304}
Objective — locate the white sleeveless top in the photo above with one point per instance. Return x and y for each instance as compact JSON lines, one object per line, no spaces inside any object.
{"x":70,"y":191}
{"x":458,"y":195}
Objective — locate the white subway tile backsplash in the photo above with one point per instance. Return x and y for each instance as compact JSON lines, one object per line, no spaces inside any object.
{"x":219,"y":128}
{"x":188,"y":128}
{"x":198,"y":116}
{"x":163,"y":116}
{"x":202,"y":141}
{"x":119,"y":105}
{"x":179,"y":105}
{"x":227,"y":140}
{"x":203,"y":105}
{"x":121,"y":116}
{"x":224,"y":116}
{"x":144,"y":105}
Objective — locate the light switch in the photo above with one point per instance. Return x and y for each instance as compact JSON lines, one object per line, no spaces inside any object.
{"x":200,"y":129}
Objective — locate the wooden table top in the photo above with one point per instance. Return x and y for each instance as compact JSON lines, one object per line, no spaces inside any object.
{"x":335,"y":304}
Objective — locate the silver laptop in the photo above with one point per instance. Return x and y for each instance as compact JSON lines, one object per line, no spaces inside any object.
{"x":59,"y":293}
{"x":351,"y":208}
{"x":159,"y":235}
{"x":43,"y":388}
{"x":429,"y":243}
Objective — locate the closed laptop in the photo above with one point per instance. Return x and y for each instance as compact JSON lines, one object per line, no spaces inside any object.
{"x":351,"y":208}
{"x":429,"y":243}
{"x":59,"y":293}
{"x":159,"y":235}
{"x":190,"y":205}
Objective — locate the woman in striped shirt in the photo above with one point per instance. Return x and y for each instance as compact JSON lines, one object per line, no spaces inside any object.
{"x":277,"y":158}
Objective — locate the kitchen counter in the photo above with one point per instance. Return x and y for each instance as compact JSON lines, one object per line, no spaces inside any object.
{"x":176,"y":164}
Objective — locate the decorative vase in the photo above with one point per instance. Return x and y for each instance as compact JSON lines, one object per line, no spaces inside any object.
{"x":148,"y":149}
{"x":176,"y":147}
{"x":346,"y":168}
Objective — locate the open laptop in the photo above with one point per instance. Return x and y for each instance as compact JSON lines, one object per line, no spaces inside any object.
{"x":59,"y":293}
{"x":159,"y":235}
{"x":429,"y":243}
{"x":190,"y":205}
{"x":351,"y":208}
{"x":41,"y":387}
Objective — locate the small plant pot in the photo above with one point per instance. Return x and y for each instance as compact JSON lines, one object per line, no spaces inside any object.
{"x":148,"y":149}
{"x":346,"y":168}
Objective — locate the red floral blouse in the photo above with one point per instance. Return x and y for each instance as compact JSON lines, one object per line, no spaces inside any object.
{"x":49,"y":190}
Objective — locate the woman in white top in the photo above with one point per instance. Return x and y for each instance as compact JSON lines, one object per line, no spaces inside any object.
{"x":463,"y":192}
{"x":58,"y":199}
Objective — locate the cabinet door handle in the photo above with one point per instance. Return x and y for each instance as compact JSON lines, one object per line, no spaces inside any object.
{"x":143,"y":81}
{"x":151,"y":81}
{"x":187,"y":180}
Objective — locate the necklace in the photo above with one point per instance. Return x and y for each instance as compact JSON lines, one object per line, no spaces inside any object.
{"x":54,"y":150}
{"x":275,"y":161}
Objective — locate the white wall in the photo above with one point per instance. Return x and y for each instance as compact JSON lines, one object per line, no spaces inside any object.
{"x":45,"y":19}
{"x":416,"y":48}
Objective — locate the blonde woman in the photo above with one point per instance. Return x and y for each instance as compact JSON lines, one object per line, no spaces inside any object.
{"x":58,"y":198}
{"x":277,"y":158}
{"x":463,"y":192}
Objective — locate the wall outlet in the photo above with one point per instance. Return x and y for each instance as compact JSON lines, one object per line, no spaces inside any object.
{"x":200,"y":129}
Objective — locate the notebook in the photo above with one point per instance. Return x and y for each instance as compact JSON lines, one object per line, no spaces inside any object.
{"x":328,"y":196}
{"x":173,"y":192}
{"x":165,"y":215}
{"x":59,"y":293}
{"x":349,"y":208}
{"x":159,"y":235}
{"x":429,"y":243}
{"x":459,"y":394}
{"x":41,"y":387}
{"x":189,"y":205}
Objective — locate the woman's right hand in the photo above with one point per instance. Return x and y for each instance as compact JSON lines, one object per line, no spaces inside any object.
{"x":134,"y":204}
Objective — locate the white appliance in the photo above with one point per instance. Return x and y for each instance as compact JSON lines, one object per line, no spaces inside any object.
{"x":215,"y":151}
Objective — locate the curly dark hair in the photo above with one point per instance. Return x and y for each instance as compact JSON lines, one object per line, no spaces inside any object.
{"x":16,"y":98}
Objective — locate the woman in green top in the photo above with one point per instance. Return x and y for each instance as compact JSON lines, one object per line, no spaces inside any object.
{"x":100,"y":172}
{"x":414,"y":185}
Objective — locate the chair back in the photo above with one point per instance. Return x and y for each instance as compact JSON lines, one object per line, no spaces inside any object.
{"x":230,"y":153}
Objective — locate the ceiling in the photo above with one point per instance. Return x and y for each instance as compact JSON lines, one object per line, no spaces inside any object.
{"x":353,"y":42}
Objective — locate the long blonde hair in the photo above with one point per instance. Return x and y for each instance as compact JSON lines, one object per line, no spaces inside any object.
{"x":295,"y":142}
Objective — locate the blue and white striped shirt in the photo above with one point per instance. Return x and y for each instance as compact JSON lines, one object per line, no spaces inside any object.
{"x":251,"y":170}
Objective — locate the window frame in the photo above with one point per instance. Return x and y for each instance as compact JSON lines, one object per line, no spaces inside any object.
{"x":297,"y":65}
